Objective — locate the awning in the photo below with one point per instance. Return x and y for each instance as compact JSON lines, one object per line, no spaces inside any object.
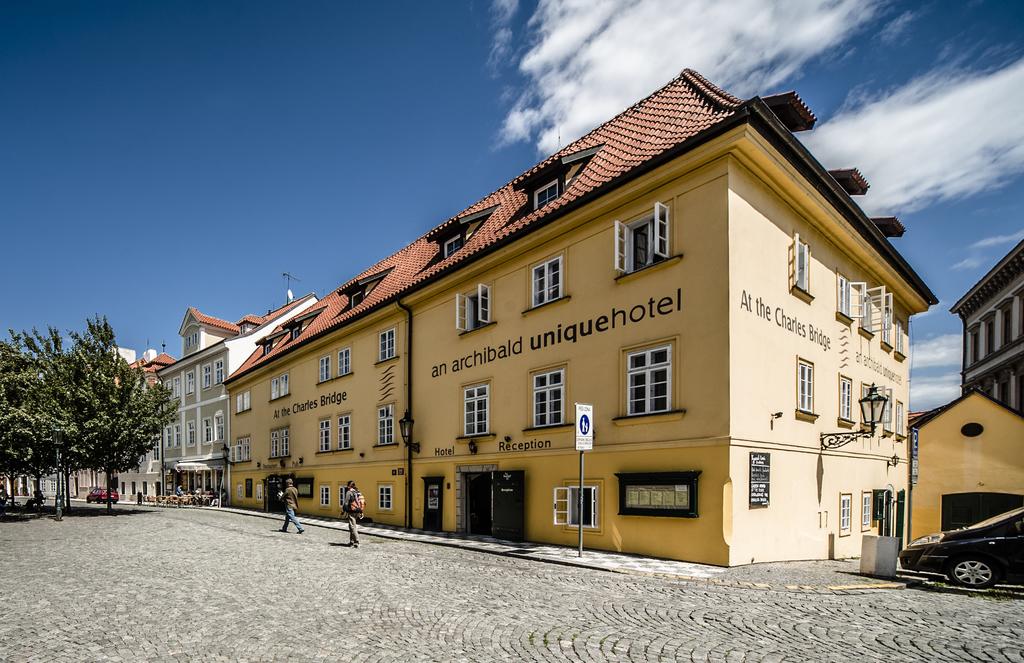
{"x":191,"y":467}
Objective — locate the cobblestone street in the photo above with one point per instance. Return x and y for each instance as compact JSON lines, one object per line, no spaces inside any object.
{"x":191,"y":584}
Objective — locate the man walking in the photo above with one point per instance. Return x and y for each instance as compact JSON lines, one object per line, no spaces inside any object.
{"x":353,"y":508}
{"x":291,"y":503}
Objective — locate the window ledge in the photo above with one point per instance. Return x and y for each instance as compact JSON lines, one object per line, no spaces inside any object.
{"x":843,"y":318}
{"x":885,"y":346}
{"x":866,"y":333}
{"x":279,"y":457}
{"x":886,"y":433}
{"x":477,"y":328}
{"x":278,"y":398}
{"x":554,"y":428}
{"x":386,"y":444}
{"x":900,"y":437}
{"x":845,"y":423}
{"x":478,"y":436}
{"x":801,"y":294}
{"x":899,"y":356}
{"x":806,"y":416}
{"x":382,"y":361}
{"x":622,"y":278}
{"x":332,"y":451}
{"x":248,"y":409}
{"x":563,"y":298}
{"x":649,"y":418}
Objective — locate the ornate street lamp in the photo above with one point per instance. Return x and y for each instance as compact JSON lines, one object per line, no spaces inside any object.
{"x":405,"y":426}
{"x":872,"y":408}
{"x":58,"y":442}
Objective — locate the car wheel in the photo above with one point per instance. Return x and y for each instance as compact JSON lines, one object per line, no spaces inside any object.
{"x":973,"y":572}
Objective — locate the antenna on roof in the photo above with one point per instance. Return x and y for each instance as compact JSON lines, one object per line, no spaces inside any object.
{"x":288,"y":284}
{"x":163,"y":346}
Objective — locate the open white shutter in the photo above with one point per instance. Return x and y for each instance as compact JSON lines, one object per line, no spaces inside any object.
{"x":620,"y":246}
{"x":561,"y":505}
{"x":661,"y":223}
{"x":460,"y":312}
{"x":483,"y":303}
{"x":887,"y":316}
{"x":858,"y":295}
{"x":794,"y":258}
{"x":874,"y":303}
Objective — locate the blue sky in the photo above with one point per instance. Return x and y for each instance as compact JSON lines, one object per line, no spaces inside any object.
{"x":155,"y":156}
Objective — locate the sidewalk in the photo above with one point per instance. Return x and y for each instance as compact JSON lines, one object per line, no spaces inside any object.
{"x":818,"y":576}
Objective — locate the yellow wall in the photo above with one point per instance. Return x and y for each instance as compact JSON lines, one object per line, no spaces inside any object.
{"x":950,"y":463}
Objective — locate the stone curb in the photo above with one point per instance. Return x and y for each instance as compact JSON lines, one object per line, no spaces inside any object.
{"x":371,"y":530}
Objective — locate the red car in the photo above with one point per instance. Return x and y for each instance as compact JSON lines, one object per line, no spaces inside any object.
{"x":99,"y":495}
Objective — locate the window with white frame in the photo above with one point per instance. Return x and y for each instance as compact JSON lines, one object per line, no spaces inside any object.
{"x":325,"y":495}
{"x":900,"y":428}
{"x":191,"y":433}
{"x":242,"y":449}
{"x":345,"y":431}
{"x":218,"y":371}
{"x":845,"y":398}
{"x":473,"y":309}
{"x":218,"y":427}
{"x":177,"y":435}
{"x":845,"y":511}
{"x":190,"y":382}
{"x":547,"y":281}
{"x":207,"y":376}
{"x":279,"y":386}
{"x":238,"y":491}
{"x":207,"y":430}
{"x":887,"y":319}
{"x":900,"y":343}
{"x":545,"y":194}
{"x":475,"y":407}
{"x":867,"y":305}
{"x":843,"y":295}
{"x":285,"y":441}
{"x":887,"y":411}
{"x":386,"y":424}
{"x":805,"y":386}
{"x":243,"y":401}
{"x":325,"y":435}
{"x":452,"y":245}
{"x":168,"y":437}
{"x":296,"y":331}
{"x":567,"y":509}
{"x":259,"y":491}
{"x":176,"y":387}
{"x":344,"y":361}
{"x":801,"y":264}
{"x":548,"y":391}
{"x":865,"y":511}
{"x":325,"y":369}
{"x":643,"y":242}
{"x":275,"y":443}
{"x":386,"y":345}
{"x":384,"y":495}
{"x":649,"y":380}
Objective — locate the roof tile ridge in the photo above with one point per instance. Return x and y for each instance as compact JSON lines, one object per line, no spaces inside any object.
{"x":712,"y":92}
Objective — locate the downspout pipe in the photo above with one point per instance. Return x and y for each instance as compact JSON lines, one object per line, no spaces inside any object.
{"x":408,"y":410}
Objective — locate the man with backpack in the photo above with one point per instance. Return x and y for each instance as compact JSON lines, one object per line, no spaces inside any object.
{"x":353,"y":507}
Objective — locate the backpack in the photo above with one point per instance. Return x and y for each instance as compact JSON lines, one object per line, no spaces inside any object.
{"x":357,"y":503}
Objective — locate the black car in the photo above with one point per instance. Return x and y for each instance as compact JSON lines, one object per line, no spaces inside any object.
{"x":978,"y":556}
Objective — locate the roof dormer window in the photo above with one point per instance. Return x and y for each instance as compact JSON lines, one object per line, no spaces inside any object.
{"x":296,"y":331}
{"x":452,"y":245}
{"x":355,"y":299}
{"x":267,"y":347}
{"x":545,"y":194}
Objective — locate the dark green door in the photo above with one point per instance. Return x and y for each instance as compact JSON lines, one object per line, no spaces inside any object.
{"x":964,"y":509}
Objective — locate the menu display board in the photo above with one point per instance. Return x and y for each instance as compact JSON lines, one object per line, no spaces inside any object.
{"x":760,"y":478}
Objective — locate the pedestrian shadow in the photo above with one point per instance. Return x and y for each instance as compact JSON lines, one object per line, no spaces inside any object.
{"x":340,"y":545}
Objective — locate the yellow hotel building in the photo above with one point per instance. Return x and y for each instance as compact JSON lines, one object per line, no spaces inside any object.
{"x":690,"y":270}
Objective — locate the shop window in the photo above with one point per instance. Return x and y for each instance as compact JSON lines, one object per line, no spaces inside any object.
{"x":386,"y":345}
{"x":548,"y":392}
{"x":452,"y":245}
{"x":384,"y":495}
{"x":845,"y":508}
{"x":325,"y":435}
{"x":642,"y":242}
{"x":473,"y":309}
{"x":845,"y":398}
{"x":325,"y":369}
{"x":649,"y":380}
{"x":547,"y":281}
{"x":325,"y":496}
{"x":800,"y":274}
{"x":475,"y":401}
{"x":668,"y":494}
{"x":207,"y":376}
{"x":545,"y":194}
{"x":386,"y":424}
{"x":238,"y":490}
{"x":805,"y":386}
{"x":567,"y":507}
{"x":345,"y":431}
{"x":843,"y":296}
{"x":344,"y":361}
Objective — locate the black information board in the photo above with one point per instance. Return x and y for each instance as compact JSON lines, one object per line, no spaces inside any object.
{"x":760,"y":478}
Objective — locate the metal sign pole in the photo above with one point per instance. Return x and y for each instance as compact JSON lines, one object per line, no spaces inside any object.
{"x":579,"y":506}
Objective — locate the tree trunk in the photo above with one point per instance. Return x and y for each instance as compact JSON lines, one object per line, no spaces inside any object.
{"x":67,"y":490}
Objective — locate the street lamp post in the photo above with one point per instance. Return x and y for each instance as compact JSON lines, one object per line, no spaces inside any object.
{"x":872,"y":408}
{"x":58,"y":442}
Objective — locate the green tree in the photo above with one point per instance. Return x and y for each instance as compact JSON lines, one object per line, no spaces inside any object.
{"x":18,"y":421}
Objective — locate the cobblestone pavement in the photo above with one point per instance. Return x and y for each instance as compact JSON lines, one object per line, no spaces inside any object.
{"x":183,"y":585}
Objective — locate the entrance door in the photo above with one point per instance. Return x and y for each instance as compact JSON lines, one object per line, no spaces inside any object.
{"x":509,"y":501}
{"x":963,"y":509}
{"x":479,"y":492}
{"x":275,"y":485}
{"x":433,"y":496}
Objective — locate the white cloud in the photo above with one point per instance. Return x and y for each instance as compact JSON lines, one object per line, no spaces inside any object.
{"x":592,"y":58}
{"x":502,"y":12}
{"x":945,"y":135}
{"x":969,"y":262}
{"x":944,"y":350}
{"x":929,"y":392}
{"x":998,"y":240}
{"x":896,"y":27}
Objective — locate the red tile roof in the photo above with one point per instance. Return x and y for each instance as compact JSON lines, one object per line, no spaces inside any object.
{"x":158,"y":362}
{"x":251,"y":319}
{"x":204,"y":319}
